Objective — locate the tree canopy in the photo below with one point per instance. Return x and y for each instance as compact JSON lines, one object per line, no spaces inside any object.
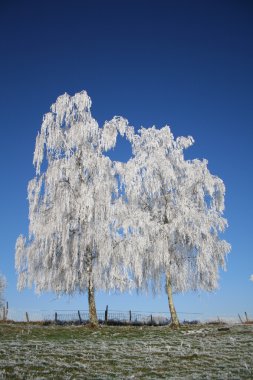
{"x":180,"y":205}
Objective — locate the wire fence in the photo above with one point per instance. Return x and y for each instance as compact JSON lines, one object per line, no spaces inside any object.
{"x":114,"y":317}
{"x":82,"y":316}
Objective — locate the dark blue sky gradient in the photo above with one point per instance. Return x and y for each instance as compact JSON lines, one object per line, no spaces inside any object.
{"x":188,"y":64}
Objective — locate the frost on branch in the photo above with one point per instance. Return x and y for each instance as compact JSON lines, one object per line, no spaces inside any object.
{"x":73,"y":241}
{"x":177,"y":208}
{"x":111,"y":129}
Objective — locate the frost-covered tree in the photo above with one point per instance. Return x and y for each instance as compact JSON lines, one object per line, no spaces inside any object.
{"x":177,"y":208}
{"x":98,"y":224}
{"x":2,"y":288}
{"x":251,"y":277}
{"x":74,"y":241}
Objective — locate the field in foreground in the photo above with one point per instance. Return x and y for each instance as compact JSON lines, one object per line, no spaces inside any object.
{"x":78,"y":352}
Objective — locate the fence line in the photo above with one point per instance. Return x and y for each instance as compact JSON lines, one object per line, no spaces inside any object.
{"x":110,"y":317}
{"x":113,"y":316}
{"x":82,"y":316}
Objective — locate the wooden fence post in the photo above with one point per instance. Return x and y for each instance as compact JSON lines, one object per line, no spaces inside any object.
{"x":79,"y":315}
{"x":151,"y":319}
{"x":106,"y":314}
{"x":27,"y":317}
{"x":246,"y":316}
{"x":240,"y":318}
{"x":130,"y":316}
{"x":55,"y":317}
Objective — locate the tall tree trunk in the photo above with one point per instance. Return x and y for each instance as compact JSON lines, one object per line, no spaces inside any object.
{"x":174,"y":318}
{"x":92,"y":304}
{"x":91,"y":293}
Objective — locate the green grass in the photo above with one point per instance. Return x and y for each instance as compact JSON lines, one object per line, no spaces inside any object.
{"x":79,"y":352}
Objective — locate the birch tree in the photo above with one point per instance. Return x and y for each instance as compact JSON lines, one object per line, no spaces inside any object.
{"x":177,"y":208}
{"x":74,"y":244}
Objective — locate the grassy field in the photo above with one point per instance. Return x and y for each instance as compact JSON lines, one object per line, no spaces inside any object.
{"x":78,"y":352}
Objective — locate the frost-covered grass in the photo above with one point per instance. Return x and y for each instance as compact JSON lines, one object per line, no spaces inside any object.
{"x":78,"y":352}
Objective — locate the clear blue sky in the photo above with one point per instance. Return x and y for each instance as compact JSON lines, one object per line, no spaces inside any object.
{"x":188,"y":64}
